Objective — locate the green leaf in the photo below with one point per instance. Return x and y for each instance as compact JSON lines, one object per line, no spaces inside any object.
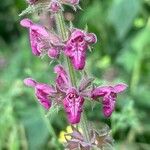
{"x":121,"y":15}
{"x":36,"y":130}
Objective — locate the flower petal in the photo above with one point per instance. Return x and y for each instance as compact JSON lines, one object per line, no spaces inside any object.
{"x":73,"y":104}
{"x":109,"y":101}
{"x":43,"y":93}
{"x":120,"y":87}
{"x":26,"y":23}
{"x":62,"y":80}
{"x":30,"y":82}
{"x":46,"y":103}
{"x":91,"y":38}
{"x":53,"y":53}
{"x":41,"y":30}
{"x":46,"y":88}
{"x":100,"y":91}
{"x":35,"y":46}
{"x":78,"y":60}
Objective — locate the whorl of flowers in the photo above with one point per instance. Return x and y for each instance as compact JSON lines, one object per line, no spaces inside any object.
{"x":74,"y":48}
{"x":98,"y":139}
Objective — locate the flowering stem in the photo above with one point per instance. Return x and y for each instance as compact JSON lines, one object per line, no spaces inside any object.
{"x":61,"y":28}
{"x":64,"y":35}
{"x":84,"y":126}
{"x":72,"y":73}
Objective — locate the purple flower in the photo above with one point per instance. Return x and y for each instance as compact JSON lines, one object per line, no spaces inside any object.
{"x":77,"y":45}
{"x":54,"y":6}
{"x":37,"y":33}
{"x":53,"y":53}
{"x":91,"y":38}
{"x":73,"y":104}
{"x":40,"y":39}
{"x":31,"y":2}
{"x":72,"y":100}
{"x":43,"y":92}
{"x":62,"y":80}
{"x":109,"y":94}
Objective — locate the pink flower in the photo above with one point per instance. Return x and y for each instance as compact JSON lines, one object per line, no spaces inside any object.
{"x":54,"y":6}
{"x":73,"y":104}
{"x":77,"y":45}
{"x":43,"y":92}
{"x":62,"y":80}
{"x":91,"y":38}
{"x":109,"y":94}
{"x":72,"y":100}
{"x":53,"y":53}
{"x":41,"y":40}
{"x":37,"y":33}
{"x":31,"y":2}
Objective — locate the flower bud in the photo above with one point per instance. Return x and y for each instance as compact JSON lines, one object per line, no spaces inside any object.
{"x":31,"y":2}
{"x":30,"y":82}
{"x":71,"y":2}
{"x":54,"y":6}
{"x":91,"y":38}
{"x":53,"y":53}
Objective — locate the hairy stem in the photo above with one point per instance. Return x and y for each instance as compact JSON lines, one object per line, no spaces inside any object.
{"x":84,"y":126}
{"x":64,"y":35}
{"x":63,"y":32}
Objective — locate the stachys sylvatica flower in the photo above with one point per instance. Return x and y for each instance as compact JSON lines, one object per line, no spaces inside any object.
{"x":42,"y":41}
{"x":54,"y":6}
{"x":77,"y":45}
{"x":31,"y":2}
{"x":73,"y":104}
{"x":109,"y":95}
{"x":73,"y":101}
{"x":72,"y":98}
{"x":43,"y":92}
{"x":62,"y":93}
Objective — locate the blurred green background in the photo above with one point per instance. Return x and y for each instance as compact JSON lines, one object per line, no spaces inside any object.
{"x":122,"y":53}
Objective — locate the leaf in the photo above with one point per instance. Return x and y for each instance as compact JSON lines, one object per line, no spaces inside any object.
{"x":121,"y":15}
{"x":34,"y":8}
{"x":36,"y":130}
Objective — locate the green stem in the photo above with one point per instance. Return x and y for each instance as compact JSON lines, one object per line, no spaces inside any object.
{"x":62,"y":31}
{"x":72,"y":73}
{"x":84,"y":126}
{"x":64,"y":35}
